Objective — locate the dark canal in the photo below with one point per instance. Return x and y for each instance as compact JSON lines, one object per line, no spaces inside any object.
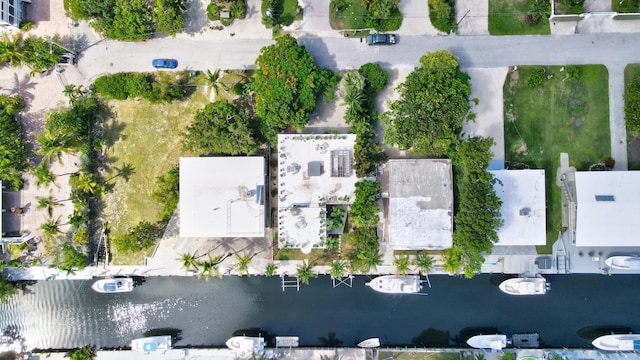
{"x":65,"y":314}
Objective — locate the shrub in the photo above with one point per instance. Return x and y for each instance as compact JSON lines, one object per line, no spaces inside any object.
{"x":442,"y":15}
{"x":332,"y":242}
{"x":84,"y":353}
{"x":141,"y":237}
{"x":26,"y":25}
{"x":377,"y":77}
{"x":238,"y":9}
{"x":536,"y":78}
{"x":213,"y":11}
{"x":392,"y":23}
{"x":167,"y":192}
{"x":124,"y":86}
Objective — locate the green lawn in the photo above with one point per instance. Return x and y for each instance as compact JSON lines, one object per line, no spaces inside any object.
{"x":626,"y":6}
{"x":632,"y":71}
{"x":351,"y":16}
{"x":506,"y":17}
{"x":148,"y":139}
{"x":287,"y":11}
{"x":569,"y":116}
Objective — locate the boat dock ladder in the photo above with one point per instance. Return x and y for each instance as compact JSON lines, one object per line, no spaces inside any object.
{"x":528,"y":340}
{"x":290,"y":282}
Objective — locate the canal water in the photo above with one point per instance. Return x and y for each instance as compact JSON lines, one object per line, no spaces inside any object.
{"x":66,"y":314}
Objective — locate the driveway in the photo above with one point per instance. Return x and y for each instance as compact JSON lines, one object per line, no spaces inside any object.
{"x":486,"y":86}
{"x":472,"y":17}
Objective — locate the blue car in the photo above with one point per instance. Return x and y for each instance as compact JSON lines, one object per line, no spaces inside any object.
{"x":164,"y":63}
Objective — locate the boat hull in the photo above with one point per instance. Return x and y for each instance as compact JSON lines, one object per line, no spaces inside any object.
{"x":246,"y":346}
{"x":370,"y":343}
{"x":618,"y":342}
{"x":151,"y":344}
{"x":524,"y":286}
{"x":623,"y":262}
{"x":396,"y":284}
{"x":494,"y":342}
{"x":113,"y":286}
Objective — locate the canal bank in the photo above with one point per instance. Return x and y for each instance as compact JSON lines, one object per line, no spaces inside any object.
{"x":359,"y":354}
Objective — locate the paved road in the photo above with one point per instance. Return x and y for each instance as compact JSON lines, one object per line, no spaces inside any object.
{"x":611,"y":49}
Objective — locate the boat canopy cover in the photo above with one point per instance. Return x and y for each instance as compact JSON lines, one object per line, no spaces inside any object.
{"x":112,"y":287}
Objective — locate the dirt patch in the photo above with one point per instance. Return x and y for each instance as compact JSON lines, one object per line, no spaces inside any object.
{"x":522,"y":148}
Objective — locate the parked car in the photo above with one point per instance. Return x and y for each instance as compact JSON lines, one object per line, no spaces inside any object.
{"x":164,"y":63}
{"x":381,"y":39}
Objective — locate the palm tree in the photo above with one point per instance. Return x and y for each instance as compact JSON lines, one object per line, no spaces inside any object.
{"x":214,"y":84}
{"x":424,"y":263}
{"x":43,"y":175}
{"x":338,"y":269}
{"x":369,"y":259}
{"x":11,"y":50}
{"x":87,"y":183}
{"x":402,"y":264}
{"x":243,"y":263}
{"x":48,"y":203}
{"x":53,"y":145}
{"x":51,"y":227}
{"x":206,"y":269}
{"x":305,"y":271}
{"x":189,"y":261}
{"x":480,"y":356}
{"x":270,"y":269}
{"x":352,"y":81}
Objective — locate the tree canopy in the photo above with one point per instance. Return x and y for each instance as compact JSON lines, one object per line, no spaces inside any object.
{"x":13,"y":155}
{"x":287,"y":86}
{"x":364,"y":210}
{"x":132,"y":20}
{"x":220,"y":129}
{"x":477,"y":218}
{"x":168,"y":15}
{"x":434,"y":101}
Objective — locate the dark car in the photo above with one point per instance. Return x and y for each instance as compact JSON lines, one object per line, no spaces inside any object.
{"x":164,"y":63}
{"x":381,"y":39}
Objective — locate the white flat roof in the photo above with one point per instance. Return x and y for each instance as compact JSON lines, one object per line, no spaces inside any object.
{"x":313,"y":170}
{"x":420,"y":204}
{"x":611,"y":218}
{"x":222,"y":197}
{"x":523,"y":206}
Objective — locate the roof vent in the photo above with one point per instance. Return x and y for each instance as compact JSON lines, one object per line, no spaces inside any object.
{"x":605,"y":198}
{"x":525,"y":211}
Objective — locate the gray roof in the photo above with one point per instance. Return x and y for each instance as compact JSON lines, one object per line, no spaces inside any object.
{"x":420,"y":204}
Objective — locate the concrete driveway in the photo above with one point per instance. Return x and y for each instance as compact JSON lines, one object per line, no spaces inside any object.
{"x":472,"y":17}
{"x":486,"y":86}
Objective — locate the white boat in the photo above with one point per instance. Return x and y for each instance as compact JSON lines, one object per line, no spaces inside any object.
{"x":370,"y":343}
{"x":525,"y":286}
{"x":396,"y":284}
{"x":623,"y":262}
{"x":247,"y":346}
{"x":620,"y":342}
{"x":151,"y":344}
{"x":494,"y":342}
{"x":113,"y":285}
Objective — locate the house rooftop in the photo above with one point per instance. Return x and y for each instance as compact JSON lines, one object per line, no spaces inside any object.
{"x":607,"y":206}
{"x":313,"y":170}
{"x":420,"y":204}
{"x":523,"y":206}
{"x":222,"y":197}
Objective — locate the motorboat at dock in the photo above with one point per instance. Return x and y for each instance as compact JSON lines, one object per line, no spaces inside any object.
{"x":494,"y":342}
{"x":247,"y":346}
{"x":525,"y":286}
{"x":396,"y":284}
{"x":618,"y":342}
{"x":623,"y":262}
{"x":151,"y":344}
{"x":113,"y":285}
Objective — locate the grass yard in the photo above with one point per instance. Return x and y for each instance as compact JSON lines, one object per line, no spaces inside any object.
{"x":147,"y":138}
{"x":569,"y":116}
{"x":351,"y":16}
{"x":626,"y":6}
{"x":506,"y":17}
{"x":286,"y":11}
{"x":632,"y":71}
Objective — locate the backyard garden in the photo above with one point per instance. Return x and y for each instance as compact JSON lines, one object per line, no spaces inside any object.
{"x":554,"y":109}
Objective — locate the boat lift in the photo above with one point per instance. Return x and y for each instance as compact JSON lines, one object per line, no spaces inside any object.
{"x":290,"y":282}
{"x":346,"y":280}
